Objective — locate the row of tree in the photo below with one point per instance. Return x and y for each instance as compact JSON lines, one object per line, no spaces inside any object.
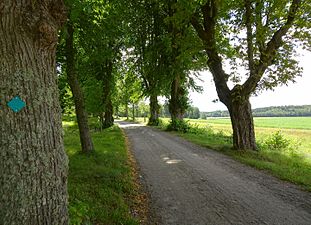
{"x":111,"y":54}
{"x":153,"y":48}
{"x":143,"y":110}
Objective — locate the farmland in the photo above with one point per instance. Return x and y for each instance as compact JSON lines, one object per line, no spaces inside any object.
{"x":296,"y":128}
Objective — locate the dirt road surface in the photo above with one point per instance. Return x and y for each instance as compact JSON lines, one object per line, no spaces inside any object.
{"x":191,"y":185}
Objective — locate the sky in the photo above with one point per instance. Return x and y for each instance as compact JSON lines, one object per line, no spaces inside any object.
{"x":298,"y":93}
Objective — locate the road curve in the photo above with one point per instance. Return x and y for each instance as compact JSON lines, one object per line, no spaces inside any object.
{"x":191,"y":185}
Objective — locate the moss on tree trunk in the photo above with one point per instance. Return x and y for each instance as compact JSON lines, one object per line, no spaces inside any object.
{"x":33,"y":168}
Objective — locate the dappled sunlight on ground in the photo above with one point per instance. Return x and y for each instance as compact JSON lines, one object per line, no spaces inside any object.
{"x":125,"y":124}
{"x":171,"y":161}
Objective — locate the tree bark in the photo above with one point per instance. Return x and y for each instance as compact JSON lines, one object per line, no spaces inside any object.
{"x":127,"y":111}
{"x":108,"y":122}
{"x":242,"y":125}
{"x":107,"y":80}
{"x":177,"y":106}
{"x":154,"y":111}
{"x":82,"y":117}
{"x":133,"y":111}
{"x":34,"y":166}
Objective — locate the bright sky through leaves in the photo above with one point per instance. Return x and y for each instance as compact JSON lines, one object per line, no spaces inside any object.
{"x":298,"y":93}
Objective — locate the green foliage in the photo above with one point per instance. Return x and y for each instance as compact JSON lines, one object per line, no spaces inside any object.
{"x":162,"y":124}
{"x":65,"y":96}
{"x":178,"y":125}
{"x":278,"y":142}
{"x":304,"y":110}
{"x":192,"y":113}
{"x":99,"y":184}
{"x":153,"y":122}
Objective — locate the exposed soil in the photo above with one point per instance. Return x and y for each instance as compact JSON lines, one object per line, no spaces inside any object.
{"x":191,"y":185}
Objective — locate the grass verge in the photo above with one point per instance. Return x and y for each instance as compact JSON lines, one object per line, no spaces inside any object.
{"x":287,"y":164}
{"x":100,"y":185}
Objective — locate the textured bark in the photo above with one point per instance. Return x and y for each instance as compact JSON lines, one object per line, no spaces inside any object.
{"x":108,"y":122}
{"x":154,"y":111}
{"x":133,"y":112}
{"x":242,"y":126}
{"x":127,"y":111}
{"x":82,"y":117}
{"x":33,"y":163}
{"x":176,"y":104}
{"x":107,"y":80}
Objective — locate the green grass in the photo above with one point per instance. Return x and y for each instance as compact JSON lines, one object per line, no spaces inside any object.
{"x":292,"y":164}
{"x":99,"y":184}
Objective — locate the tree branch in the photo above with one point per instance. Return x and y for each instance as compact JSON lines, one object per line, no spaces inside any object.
{"x":209,"y":11}
{"x":249,"y":33}
{"x":260,"y":32}
{"x":198,"y":27}
{"x":270,"y":51}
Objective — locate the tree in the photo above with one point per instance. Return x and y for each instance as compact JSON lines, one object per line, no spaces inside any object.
{"x":193,"y":113}
{"x":258,"y":36}
{"x":33,"y":180}
{"x":81,"y":114}
{"x":149,"y":53}
{"x":101,"y":41}
{"x":185,"y":58}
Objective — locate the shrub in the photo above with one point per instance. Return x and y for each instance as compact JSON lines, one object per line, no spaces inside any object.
{"x":154,"y":122}
{"x":278,"y":142}
{"x":178,"y":125}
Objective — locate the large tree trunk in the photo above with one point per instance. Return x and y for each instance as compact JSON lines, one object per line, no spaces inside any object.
{"x":108,"y":122}
{"x":133,"y":112}
{"x":177,"y":104}
{"x":127,"y":111}
{"x":108,"y":82}
{"x":82,"y":117}
{"x":33,"y":163}
{"x":242,"y":125}
{"x":154,"y":111}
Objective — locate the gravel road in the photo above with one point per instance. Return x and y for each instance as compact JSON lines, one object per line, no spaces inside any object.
{"x":191,"y":185}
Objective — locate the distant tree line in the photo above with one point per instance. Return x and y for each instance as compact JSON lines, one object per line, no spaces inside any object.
{"x":273,"y":111}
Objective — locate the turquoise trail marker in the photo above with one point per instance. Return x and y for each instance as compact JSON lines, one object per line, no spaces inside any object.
{"x":16,"y":104}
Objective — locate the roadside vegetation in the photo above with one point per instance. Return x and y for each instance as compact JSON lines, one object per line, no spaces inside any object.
{"x":100,"y":185}
{"x":284,"y":144}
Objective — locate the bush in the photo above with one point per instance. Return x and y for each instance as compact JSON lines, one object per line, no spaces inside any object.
{"x":178,"y":125}
{"x":278,"y":142}
{"x":153,"y":122}
{"x":162,"y":124}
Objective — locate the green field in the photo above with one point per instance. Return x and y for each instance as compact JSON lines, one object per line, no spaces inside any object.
{"x":303,"y":123}
{"x":296,"y":128}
